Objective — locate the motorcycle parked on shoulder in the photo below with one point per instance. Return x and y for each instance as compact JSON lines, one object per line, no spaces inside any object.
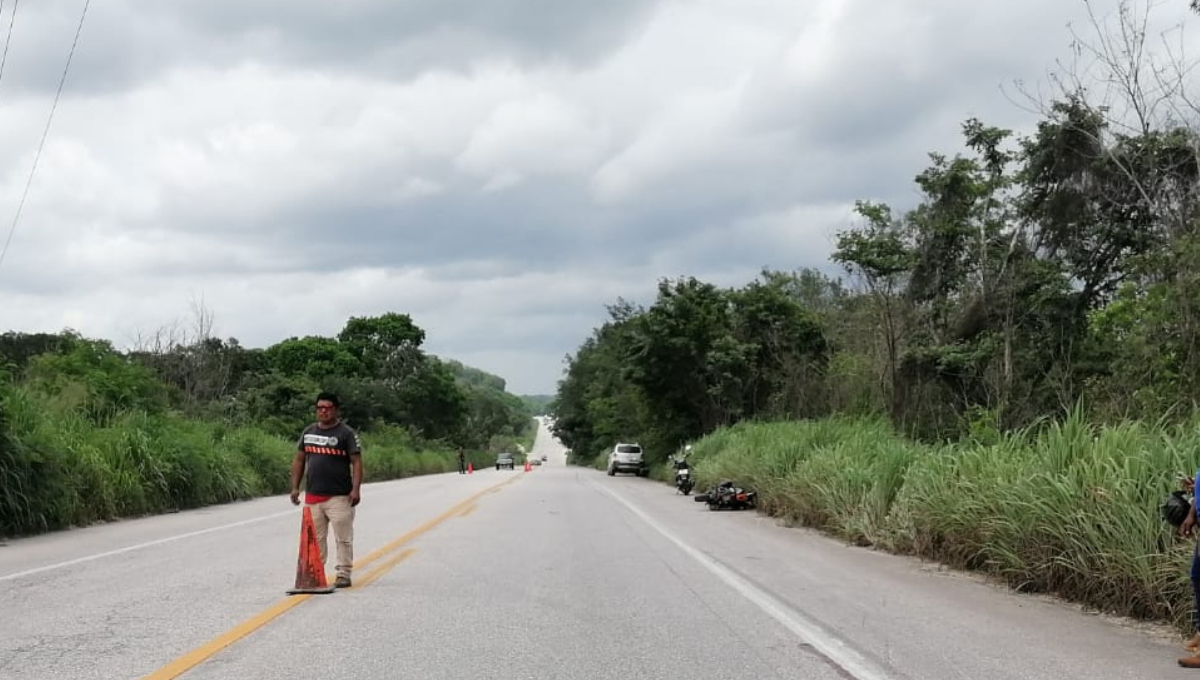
{"x":684,"y":482}
{"x":683,"y":478}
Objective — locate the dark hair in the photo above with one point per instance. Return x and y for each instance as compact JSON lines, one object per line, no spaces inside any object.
{"x":329,"y":397}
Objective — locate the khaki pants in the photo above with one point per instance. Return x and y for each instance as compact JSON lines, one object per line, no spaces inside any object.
{"x":338,"y":512}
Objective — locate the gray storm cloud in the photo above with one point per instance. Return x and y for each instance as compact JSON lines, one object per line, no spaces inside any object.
{"x":499,"y":170}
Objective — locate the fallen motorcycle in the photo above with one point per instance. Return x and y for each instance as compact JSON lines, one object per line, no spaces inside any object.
{"x":728,"y":496}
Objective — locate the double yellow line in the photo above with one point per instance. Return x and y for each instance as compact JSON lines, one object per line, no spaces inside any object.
{"x":204,"y":652}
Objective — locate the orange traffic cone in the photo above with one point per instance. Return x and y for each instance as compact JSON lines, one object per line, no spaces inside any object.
{"x":528,"y":466}
{"x":470,"y":468}
{"x":310,"y":572}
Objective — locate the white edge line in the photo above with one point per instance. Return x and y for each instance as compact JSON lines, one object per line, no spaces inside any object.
{"x":139,"y":546}
{"x":846,"y":657}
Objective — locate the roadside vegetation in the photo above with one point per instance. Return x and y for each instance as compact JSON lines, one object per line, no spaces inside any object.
{"x":1066,"y":507}
{"x":1006,"y":377}
{"x":89,"y":433}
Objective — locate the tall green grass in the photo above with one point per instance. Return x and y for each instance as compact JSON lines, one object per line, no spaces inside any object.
{"x":60,"y":468}
{"x":1063,"y":507}
{"x":839,"y":475}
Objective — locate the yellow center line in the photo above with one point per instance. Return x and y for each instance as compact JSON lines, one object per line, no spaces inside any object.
{"x":206,"y":651}
{"x":196,"y":656}
{"x":385,"y":567}
{"x":459,"y":507}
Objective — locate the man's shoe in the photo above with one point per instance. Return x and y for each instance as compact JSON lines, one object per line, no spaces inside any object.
{"x":1190,"y":661}
{"x":342,"y":582}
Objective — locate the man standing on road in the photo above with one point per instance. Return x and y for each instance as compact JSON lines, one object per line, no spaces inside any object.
{"x":462,"y":462}
{"x":330,"y":453}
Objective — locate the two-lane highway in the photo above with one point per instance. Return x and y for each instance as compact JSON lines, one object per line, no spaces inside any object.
{"x":554,"y":573}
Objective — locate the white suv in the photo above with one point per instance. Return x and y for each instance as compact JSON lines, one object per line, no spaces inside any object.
{"x":626,"y":458}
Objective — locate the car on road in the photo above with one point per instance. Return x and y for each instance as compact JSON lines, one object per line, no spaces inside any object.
{"x":504,"y":460}
{"x":626,"y":458}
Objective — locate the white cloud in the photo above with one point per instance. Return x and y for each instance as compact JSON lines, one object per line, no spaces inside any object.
{"x":541,"y":134}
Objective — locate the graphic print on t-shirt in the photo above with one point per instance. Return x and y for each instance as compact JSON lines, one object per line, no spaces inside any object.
{"x":318,"y":443}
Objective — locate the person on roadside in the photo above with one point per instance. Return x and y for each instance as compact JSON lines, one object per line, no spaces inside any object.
{"x":462,"y":462}
{"x":1188,"y":529}
{"x":329,"y":459}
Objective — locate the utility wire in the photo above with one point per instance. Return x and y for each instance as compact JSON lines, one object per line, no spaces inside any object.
{"x":12,"y":20}
{"x":46,"y":132}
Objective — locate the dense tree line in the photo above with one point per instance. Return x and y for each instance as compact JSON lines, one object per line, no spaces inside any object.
{"x":1036,"y":273}
{"x":90,"y":433}
{"x":375,"y":364}
{"x":699,"y":358}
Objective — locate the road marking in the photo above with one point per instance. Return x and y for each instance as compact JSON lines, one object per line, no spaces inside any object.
{"x":829,"y":646}
{"x":139,"y":546}
{"x":459,"y":507}
{"x":193,"y":658}
{"x":385,"y":567}
{"x":204,"y":652}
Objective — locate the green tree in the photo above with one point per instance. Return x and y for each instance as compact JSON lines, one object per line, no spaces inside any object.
{"x":473,"y":377}
{"x":880,"y":256}
{"x":686,"y":360}
{"x":17,"y":349}
{"x":91,"y":376}
{"x":788,"y":352}
{"x":313,"y":356}
{"x":597,"y":404}
{"x":1088,"y":209}
{"x":387,"y":346}
{"x":538,"y":404}
{"x":434,"y":406}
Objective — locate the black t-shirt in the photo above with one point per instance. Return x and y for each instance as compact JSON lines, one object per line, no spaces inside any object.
{"x":327,"y":458}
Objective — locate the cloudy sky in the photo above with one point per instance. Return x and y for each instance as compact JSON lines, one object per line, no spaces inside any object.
{"x":498,"y":169}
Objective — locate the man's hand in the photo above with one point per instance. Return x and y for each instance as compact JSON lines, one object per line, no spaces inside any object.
{"x":1189,"y":523}
{"x":1187,"y":484}
{"x":355,"y":497}
{"x":295,"y":498}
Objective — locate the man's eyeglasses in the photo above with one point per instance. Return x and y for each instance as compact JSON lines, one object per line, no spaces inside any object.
{"x":324,"y":408}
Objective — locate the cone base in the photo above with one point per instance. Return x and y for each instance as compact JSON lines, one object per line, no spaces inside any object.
{"x":311,"y":591}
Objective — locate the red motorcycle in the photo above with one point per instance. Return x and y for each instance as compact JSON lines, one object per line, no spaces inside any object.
{"x":728,"y":496}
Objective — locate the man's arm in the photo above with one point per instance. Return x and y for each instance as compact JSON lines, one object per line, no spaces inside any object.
{"x":356,"y":475}
{"x":297,"y":473}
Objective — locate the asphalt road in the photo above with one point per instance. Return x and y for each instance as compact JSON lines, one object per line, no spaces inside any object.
{"x":559,"y":572}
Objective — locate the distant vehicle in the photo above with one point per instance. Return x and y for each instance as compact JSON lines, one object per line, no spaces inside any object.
{"x":544,"y":458}
{"x":626,"y":458}
{"x":504,"y":460}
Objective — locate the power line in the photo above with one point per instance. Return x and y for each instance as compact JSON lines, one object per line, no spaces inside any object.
{"x":46,"y":132}
{"x":12,"y":20}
